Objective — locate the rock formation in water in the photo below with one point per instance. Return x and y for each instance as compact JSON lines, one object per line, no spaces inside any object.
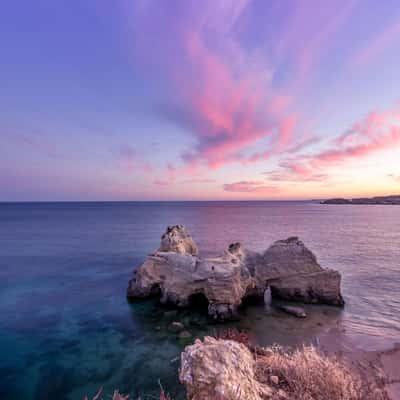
{"x":181,"y":277}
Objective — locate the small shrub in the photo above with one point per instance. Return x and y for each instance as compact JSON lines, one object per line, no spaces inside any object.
{"x":235,"y":335}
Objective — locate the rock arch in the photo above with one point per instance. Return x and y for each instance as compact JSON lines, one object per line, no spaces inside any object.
{"x":199,"y":301}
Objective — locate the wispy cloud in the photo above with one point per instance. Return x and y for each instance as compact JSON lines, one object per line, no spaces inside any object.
{"x":129,"y":159}
{"x":198,"y":180}
{"x":250,"y":187}
{"x":238,"y":101}
{"x":126,"y":157}
{"x":389,"y":36}
{"x":34,"y":141}
{"x":224,"y":91}
{"x":377,"y":131}
{"x":295,"y":171}
{"x":161,"y":182}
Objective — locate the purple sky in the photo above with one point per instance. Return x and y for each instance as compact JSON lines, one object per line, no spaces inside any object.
{"x":181,"y":100}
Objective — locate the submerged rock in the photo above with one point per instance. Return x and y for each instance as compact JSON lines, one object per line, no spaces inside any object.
{"x":219,"y":284}
{"x":184,"y":335}
{"x":296,"y":311}
{"x":176,"y":327}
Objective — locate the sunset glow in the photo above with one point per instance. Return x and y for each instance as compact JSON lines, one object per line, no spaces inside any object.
{"x":199,"y":100}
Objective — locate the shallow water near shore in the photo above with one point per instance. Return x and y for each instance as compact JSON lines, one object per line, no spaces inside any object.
{"x":65,"y":325}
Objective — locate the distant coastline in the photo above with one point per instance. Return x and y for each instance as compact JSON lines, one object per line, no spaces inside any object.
{"x":386,"y":200}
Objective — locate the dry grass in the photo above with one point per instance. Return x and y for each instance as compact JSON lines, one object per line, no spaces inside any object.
{"x":118,"y":396}
{"x":115,"y":396}
{"x":306,"y":374}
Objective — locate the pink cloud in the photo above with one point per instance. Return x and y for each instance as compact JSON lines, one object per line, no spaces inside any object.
{"x":336,"y":156}
{"x":233,"y":104}
{"x":303,"y":144}
{"x":226,"y":107}
{"x":161,"y":182}
{"x":227,"y":91}
{"x":148,"y":168}
{"x":309,"y":33}
{"x":128,"y":159}
{"x":37,"y":142}
{"x":198,"y":180}
{"x":293,"y":171}
{"x":249,"y":187}
{"x":377,"y":45}
{"x":229,"y":104}
{"x":377,"y":131}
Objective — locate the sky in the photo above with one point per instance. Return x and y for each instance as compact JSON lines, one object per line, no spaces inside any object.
{"x":199,"y":100}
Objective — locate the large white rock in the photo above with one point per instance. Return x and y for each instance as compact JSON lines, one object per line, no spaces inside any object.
{"x":178,"y":274}
{"x":220,"y":369}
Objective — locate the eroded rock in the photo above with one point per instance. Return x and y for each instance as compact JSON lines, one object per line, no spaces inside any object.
{"x":224,"y":369}
{"x":177,"y":239}
{"x":179,"y":276}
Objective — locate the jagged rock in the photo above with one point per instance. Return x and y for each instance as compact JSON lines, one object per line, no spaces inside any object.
{"x":178,"y":240}
{"x":318,"y":287}
{"x":292,"y":272}
{"x":181,"y":277}
{"x":222,"y":281}
{"x":296,"y":311}
{"x":215,"y":369}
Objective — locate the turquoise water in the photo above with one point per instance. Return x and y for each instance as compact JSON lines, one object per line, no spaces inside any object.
{"x":65,"y":325}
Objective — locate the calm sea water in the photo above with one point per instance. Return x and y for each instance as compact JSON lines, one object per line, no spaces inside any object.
{"x":66,"y":328}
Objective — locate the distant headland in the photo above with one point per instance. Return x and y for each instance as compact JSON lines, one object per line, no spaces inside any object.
{"x":387,"y":200}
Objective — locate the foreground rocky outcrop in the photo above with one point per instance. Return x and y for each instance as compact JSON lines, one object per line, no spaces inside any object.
{"x":231,"y":368}
{"x":227,"y":370}
{"x":220,"y":369}
{"x":181,"y":277}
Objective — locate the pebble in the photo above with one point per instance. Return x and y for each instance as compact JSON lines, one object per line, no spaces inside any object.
{"x":176,"y":327}
{"x":274,"y":380}
{"x":184,"y":335}
{"x":296,"y":311}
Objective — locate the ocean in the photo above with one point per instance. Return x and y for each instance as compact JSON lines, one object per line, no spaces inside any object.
{"x":66,"y":328}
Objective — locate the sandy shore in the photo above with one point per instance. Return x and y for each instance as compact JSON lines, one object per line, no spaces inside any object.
{"x":381,"y":368}
{"x":390,"y":361}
